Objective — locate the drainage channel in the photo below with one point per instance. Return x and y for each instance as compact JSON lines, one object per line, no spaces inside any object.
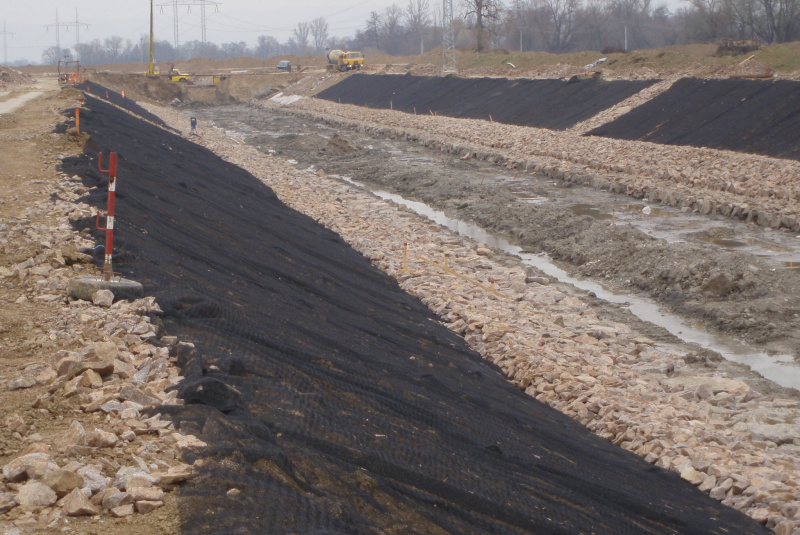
{"x":780,"y":369}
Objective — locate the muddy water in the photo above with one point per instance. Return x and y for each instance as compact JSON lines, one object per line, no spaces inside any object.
{"x":780,"y":369}
{"x":307,"y":142}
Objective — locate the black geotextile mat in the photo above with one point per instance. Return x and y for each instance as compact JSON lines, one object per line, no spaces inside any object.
{"x":99,"y":91}
{"x":333,"y":402}
{"x":756,"y":116}
{"x":554,"y":104}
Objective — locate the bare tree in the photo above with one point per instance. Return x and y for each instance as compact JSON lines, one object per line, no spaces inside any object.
{"x":301,"y":33}
{"x":417,"y":18}
{"x":557,"y":22}
{"x":50,"y":56}
{"x":484,"y":11}
{"x":713,"y":13}
{"x":319,"y":31}
{"x":373,"y":31}
{"x":113,"y":46}
{"x":267,"y":47}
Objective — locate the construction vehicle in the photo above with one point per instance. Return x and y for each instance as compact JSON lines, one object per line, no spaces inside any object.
{"x":344,"y":60}
{"x":176,"y":76}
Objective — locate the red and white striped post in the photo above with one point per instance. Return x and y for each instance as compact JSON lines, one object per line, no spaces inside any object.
{"x":109,"y":228}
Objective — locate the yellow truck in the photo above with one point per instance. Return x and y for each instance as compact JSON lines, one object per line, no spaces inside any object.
{"x":344,"y":60}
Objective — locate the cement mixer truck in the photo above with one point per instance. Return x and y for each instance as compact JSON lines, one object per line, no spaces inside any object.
{"x":344,"y":60}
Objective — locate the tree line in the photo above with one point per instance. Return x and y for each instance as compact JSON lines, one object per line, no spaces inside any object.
{"x":525,"y":25}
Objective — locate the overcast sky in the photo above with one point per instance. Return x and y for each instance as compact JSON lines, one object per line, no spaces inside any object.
{"x":32,"y":22}
{"x":230,"y":20}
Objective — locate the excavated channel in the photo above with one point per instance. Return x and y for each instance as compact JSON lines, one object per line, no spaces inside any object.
{"x":332,"y":401}
{"x":708,"y":244}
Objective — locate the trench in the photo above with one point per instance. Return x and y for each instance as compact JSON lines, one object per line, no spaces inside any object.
{"x":303,"y":142}
{"x":780,"y":369}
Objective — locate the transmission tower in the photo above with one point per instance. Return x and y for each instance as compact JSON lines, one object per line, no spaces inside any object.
{"x":5,"y":43}
{"x":58,"y":26}
{"x":448,"y":38}
{"x":189,"y":4}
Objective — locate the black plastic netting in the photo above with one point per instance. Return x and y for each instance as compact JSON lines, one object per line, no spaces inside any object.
{"x":330,"y":399}
{"x":554,"y":104}
{"x":115,"y":97}
{"x":756,"y":116}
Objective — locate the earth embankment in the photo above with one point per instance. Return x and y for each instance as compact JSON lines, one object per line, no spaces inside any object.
{"x":332,"y":400}
{"x":755,"y":116}
{"x":555,"y":104}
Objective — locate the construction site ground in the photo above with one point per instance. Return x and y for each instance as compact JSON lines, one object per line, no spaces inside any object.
{"x":706,"y":255}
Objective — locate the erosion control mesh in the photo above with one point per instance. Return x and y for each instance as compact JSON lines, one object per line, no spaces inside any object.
{"x":333,"y":402}
{"x":757,"y":116}
{"x":554,"y":104}
{"x":116,"y":98}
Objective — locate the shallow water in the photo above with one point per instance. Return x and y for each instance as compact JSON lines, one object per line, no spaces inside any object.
{"x":781,"y":369}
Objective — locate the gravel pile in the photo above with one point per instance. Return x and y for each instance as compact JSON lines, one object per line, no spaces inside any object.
{"x":102,"y":370}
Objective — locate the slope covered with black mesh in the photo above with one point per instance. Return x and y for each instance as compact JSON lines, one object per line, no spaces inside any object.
{"x":333,"y":402}
{"x":95,"y":89}
{"x":554,"y":104}
{"x":757,"y":116}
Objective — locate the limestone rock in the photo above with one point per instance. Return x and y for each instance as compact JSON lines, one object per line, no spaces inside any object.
{"x":147,"y":506}
{"x":123,"y":510}
{"x":93,"y":478}
{"x":31,"y":466}
{"x":34,"y":493}
{"x":7,"y":502}
{"x":76,"y":434}
{"x":103,"y":439}
{"x":146,"y":493}
{"x":76,"y":504}
{"x":62,"y":481}
{"x":113,"y":499}
{"x":103,"y":298}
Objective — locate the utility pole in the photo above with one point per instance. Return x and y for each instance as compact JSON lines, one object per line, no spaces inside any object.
{"x":150,"y":68}
{"x":626,"y":37}
{"x":448,"y":38}
{"x":5,"y":43}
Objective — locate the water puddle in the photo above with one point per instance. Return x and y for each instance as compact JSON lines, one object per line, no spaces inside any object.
{"x":725,"y":243}
{"x":780,"y":369}
{"x":589,"y":210}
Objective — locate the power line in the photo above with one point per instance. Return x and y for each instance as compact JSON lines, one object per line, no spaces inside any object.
{"x":58,"y":26}
{"x":189,"y":4}
{"x":5,"y":43}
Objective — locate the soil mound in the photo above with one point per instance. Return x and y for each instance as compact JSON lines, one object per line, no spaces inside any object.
{"x":553,"y":104}
{"x":10,"y":77}
{"x":755,"y":116}
{"x":333,"y":402}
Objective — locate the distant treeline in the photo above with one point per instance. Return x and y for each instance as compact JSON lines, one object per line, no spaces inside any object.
{"x":527,"y":25}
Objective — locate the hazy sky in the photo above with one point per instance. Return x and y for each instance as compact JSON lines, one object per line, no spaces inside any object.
{"x":231,"y":20}
{"x":32,"y":22}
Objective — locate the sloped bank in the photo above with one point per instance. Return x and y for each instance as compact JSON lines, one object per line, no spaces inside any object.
{"x":332,"y":400}
{"x":753,"y":116}
{"x":555,"y":104}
